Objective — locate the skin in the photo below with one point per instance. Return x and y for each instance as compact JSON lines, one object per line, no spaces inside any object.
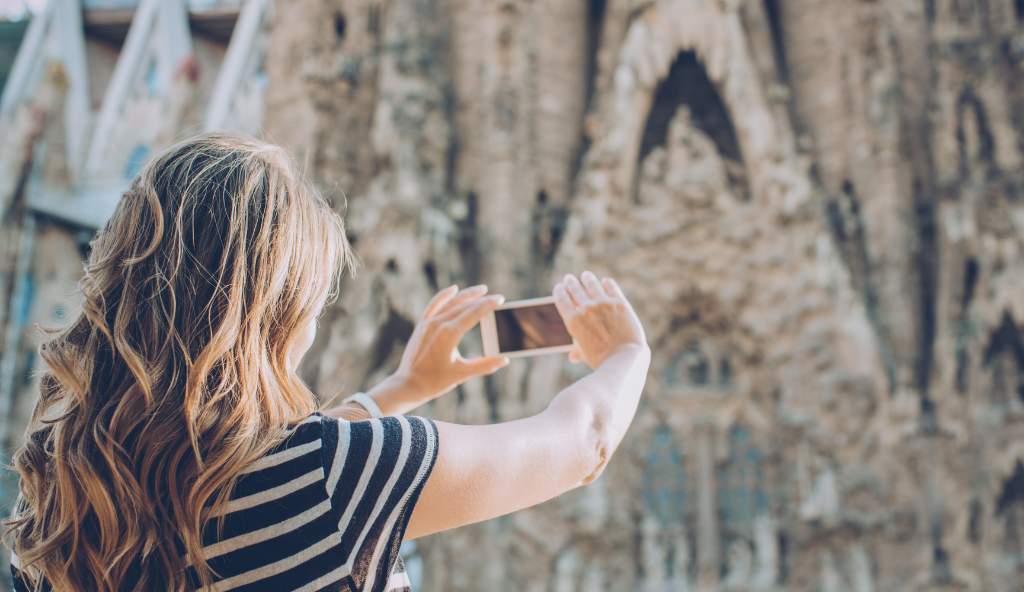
{"x":486,"y":471}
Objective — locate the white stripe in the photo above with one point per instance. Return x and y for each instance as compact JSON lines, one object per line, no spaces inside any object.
{"x":340,"y":454}
{"x":332,"y":576}
{"x":285,"y":455}
{"x":276,"y":567}
{"x":390,"y":524}
{"x":364,"y":478}
{"x":382,"y":499}
{"x":268,"y":532}
{"x":273,"y":493}
{"x":15,"y":562}
{"x":398,"y":581}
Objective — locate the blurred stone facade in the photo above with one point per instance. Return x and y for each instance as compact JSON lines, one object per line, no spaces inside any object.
{"x":817,"y":207}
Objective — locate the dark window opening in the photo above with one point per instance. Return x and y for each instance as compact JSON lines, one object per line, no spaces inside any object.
{"x":430,"y":270}
{"x":963,"y":329}
{"x":974,"y":521}
{"x":595,"y":21}
{"x":1006,"y":339}
{"x":1004,"y":355}
{"x":940,"y":565}
{"x":774,"y":13}
{"x":970,"y":283}
{"x":547,"y":222}
{"x":340,"y":25}
{"x":725,"y":372}
{"x":394,"y":333}
{"x":783,"y":557}
{"x":1013,"y":490}
{"x":688,"y":84}
{"x":981,"y":144}
{"x":467,"y":241}
{"x":596,"y":11}
{"x":927,"y":257}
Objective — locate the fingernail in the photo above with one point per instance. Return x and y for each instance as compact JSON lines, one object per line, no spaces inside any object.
{"x":478,"y":288}
{"x":499,"y":299}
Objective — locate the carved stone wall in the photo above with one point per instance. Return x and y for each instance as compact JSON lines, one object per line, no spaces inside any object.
{"x":815,"y":205}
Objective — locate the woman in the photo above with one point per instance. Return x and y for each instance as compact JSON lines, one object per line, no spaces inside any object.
{"x":174,"y":447}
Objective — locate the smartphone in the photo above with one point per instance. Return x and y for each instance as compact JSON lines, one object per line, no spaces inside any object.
{"x":525,"y":328}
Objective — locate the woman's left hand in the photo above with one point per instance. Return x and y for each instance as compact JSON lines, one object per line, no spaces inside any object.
{"x":431,"y":364}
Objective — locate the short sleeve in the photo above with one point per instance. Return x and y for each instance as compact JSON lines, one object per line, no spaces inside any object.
{"x":375,"y":470}
{"x":19,"y":581}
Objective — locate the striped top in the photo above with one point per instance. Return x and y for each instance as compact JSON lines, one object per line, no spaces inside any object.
{"x":325,"y":510}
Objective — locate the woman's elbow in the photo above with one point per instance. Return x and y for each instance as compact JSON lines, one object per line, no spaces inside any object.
{"x":586,"y":444}
{"x":597,"y":447}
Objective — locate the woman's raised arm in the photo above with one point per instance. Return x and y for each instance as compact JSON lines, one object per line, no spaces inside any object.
{"x":431,"y":363}
{"x":485,"y":471}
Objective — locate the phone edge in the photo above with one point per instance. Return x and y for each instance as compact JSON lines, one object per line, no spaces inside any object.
{"x":489,"y":335}
{"x":540,"y":351}
{"x":528,"y":302}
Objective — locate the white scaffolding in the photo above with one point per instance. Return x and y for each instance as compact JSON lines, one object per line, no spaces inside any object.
{"x":56,"y":34}
{"x":159,"y":29}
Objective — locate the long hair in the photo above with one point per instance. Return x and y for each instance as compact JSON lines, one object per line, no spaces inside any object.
{"x":176,"y":375}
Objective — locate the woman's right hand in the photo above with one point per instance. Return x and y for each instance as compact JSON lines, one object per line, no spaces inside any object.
{"x":598,"y":316}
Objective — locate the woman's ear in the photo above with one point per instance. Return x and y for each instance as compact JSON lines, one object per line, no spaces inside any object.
{"x":302,"y":343}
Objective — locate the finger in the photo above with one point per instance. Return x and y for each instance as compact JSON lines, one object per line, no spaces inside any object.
{"x":563,"y":302}
{"x":592,"y":286}
{"x":439,"y":300}
{"x":613,"y":289}
{"x":576,"y":291}
{"x":481,"y":366}
{"x":574,"y":356}
{"x":454,"y":309}
{"x":464,"y":296}
{"x":471,"y":312}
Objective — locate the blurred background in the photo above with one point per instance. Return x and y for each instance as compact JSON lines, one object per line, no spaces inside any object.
{"x":817,"y":207}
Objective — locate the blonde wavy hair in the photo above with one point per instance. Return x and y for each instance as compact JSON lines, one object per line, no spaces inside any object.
{"x":176,"y":374}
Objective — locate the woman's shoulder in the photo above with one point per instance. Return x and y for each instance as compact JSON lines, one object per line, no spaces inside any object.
{"x":371,"y":440}
{"x":387,"y":436}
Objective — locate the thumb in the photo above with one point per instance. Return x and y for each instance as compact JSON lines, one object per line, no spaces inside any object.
{"x":574,"y":356}
{"x":482,"y":366}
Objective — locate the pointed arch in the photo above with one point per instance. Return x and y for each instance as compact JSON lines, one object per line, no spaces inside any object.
{"x":688,"y":84}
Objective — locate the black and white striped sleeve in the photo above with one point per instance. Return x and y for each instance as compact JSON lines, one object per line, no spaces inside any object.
{"x":17,"y":578}
{"x":375,"y":470}
{"x":20,"y":583}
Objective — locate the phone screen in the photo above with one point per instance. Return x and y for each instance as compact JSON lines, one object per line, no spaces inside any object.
{"x":530,"y":327}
